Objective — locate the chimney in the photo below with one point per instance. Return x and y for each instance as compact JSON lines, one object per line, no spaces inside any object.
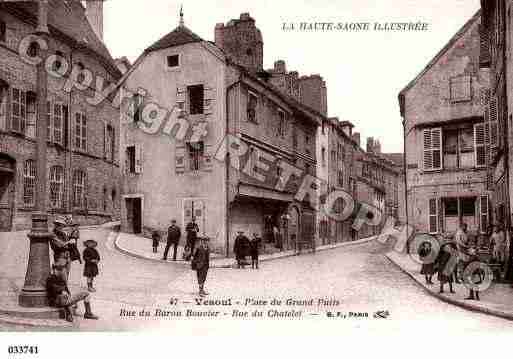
{"x":356,"y":138}
{"x":42,"y":17}
{"x":370,"y":144}
{"x":94,"y":13}
{"x":279,"y":67}
{"x":218,"y":36}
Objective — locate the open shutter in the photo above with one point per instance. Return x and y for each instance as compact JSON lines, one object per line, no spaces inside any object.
{"x":127,"y":160}
{"x":480,"y":144}
{"x":105,"y":134}
{"x":179,"y":159}
{"x":484,"y":210}
{"x":209,"y":100}
{"x":436,"y":138}
{"x":181,"y":93}
{"x":433,"y":215}
{"x":428,"y":154}
{"x":138,"y":158}
{"x":207,"y":158}
{"x":440,"y":216}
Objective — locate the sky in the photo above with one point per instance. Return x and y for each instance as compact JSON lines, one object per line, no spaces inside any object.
{"x":364,"y":71}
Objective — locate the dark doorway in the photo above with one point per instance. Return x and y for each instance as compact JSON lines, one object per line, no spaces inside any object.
{"x":6,"y":193}
{"x":134,"y":215}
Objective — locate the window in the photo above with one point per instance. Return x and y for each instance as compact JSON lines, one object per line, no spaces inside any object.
{"x":80,"y":131}
{"x":281,"y":123}
{"x":56,"y":187}
{"x":450,"y":207}
{"x":130,"y":156}
{"x":468,"y":206}
{"x":30,"y":124}
{"x":323,"y":156}
{"x":4,"y":88}
{"x":136,"y":106}
{"x":307,"y":144}
{"x":59,"y":114}
{"x":113,"y":197}
{"x":79,"y":185}
{"x":196,"y":99}
{"x":333,"y":156}
{"x":19,"y":110}
{"x":29,"y":183}
{"x":105,"y":199}
{"x":109,"y":143}
{"x":458,"y":147}
{"x":432,"y":149}
{"x":340,"y":179}
{"x":483,"y":205}
{"x":433,"y":215}
{"x":196,"y":153}
{"x":173,"y":61}
{"x":461,"y":88}
{"x":57,"y":63}
{"x":252,"y":106}
{"x":3,"y":31}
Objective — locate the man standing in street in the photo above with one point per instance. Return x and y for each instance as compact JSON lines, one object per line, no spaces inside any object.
{"x":461,"y":239}
{"x":173,"y":237}
{"x":240,"y":248}
{"x":192,"y":230}
{"x":200,"y":263}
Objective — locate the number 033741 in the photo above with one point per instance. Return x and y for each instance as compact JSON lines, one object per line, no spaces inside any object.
{"x":22,"y":349}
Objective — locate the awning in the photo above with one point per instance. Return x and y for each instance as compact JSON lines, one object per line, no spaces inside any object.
{"x":247,"y":190}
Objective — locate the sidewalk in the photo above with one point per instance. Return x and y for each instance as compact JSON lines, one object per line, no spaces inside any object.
{"x":496,"y":300}
{"x":140,"y":247}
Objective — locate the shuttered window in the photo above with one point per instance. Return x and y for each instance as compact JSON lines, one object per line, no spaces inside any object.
{"x":484,"y":210}
{"x":56,"y":187}
{"x":480,"y":144}
{"x":432,"y":149}
{"x":19,"y":110}
{"x":79,"y":187}
{"x":80,"y":131}
{"x":433,"y":215}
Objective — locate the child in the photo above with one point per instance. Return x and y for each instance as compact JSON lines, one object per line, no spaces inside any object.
{"x":155,"y":236}
{"x":91,"y":259}
{"x":254,"y":250}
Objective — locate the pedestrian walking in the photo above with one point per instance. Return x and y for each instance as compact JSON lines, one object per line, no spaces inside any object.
{"x":201,"y":263}
{"x":255,"y":250}
{"x":192,"y":230}
{"x":428,"y":269}
{"x":155,"y":240}
{"x":240,"y":247}
{"x":173,"y":238}
{"x":59,"y":295}
{"x":498,"y":243}
{"x":91,"y":259}
{"x":445,"y":273}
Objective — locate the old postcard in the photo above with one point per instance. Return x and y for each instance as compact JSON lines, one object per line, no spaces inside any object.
{"x":281,"y":166}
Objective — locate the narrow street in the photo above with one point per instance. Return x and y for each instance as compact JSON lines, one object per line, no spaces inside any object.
{"x":359,"y":277}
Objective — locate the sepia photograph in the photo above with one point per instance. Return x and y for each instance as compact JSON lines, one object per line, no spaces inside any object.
{"x":261,"y":167}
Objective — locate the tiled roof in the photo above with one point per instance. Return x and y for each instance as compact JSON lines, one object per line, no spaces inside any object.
{"x":69,"y":18}
{"x":179,"y":36}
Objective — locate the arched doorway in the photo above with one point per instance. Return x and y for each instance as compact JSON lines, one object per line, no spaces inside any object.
{"x":7,"y":182}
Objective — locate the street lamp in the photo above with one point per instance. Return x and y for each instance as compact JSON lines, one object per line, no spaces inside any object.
{"x":33,"y":293}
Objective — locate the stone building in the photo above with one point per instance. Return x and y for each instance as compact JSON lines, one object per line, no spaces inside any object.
{"x":219,"y":86}
{"x":446,"y":138}
{"x":83,"y":168}
{"x":497,"y":56}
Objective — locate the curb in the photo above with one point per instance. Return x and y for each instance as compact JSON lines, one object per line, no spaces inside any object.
{"x":35,"y":323}
{"x":465,"y":305}
{"x":225,"y":266}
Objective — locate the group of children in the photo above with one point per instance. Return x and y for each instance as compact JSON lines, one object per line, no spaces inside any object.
{"x":64,"y":246}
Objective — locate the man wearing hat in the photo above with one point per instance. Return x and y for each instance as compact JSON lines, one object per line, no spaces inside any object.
{"x":60,"y":296}
{"x":60,"y":244}
{"x":240,"y":248}
{"x":200,"y":263}
{"x":173,"y":237}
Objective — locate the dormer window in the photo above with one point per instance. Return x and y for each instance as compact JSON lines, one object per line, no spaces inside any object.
{"x":173,"y":61}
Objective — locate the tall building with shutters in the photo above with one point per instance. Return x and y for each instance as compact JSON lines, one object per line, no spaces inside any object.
{"x":83,"y":167}
{"x":172,"y":171}
{"x":448,"y":137}
{"x":497,"y":56}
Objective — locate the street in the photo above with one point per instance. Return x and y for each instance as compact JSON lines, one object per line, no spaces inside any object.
{"x":358,"y":277}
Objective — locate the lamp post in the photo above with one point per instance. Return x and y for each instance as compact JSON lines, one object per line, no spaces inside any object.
{"x":33,"y":293}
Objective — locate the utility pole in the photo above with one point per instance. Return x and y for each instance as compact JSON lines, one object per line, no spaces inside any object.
{"x":33,"y":293}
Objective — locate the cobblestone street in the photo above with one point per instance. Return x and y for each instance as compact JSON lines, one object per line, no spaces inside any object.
{"x":359,"y":277}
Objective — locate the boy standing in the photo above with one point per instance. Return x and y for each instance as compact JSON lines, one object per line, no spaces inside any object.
{"x":200,"y":263}
{"x":255,"y":250}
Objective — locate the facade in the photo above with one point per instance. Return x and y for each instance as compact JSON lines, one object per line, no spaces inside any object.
{"x":217,"y":86}
{"x":83,"y":167}
{"x":496,"y":54}
{"x":446,"y":138}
